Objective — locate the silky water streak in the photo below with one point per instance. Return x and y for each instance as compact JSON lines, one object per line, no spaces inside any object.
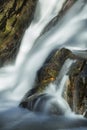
{"x":17,"y":79}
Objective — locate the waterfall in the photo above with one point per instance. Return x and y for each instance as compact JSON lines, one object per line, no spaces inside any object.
{"x":20,"y":74}
{"x":15,"y":80}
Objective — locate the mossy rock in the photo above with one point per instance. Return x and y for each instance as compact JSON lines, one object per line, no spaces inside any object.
{"x":15,"y":17}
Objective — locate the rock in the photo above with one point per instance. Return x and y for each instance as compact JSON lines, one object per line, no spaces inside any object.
{"x":47,"y":104}
{"x":15,"y":16}
{"x":75,"y":92}
{"x":48,"y":72}
{"x":85,"y":114}
{"x":77,"y":87}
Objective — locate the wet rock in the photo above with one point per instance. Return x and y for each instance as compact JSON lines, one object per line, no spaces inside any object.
{"x":48,"y":72}
{"x":48,"y":104}
{"x":77,"y":87}
{"x":15,"y":16}
{"x":85,"y":114}
{"x":50,"y":69}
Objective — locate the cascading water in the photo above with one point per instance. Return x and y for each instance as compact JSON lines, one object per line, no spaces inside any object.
{"x":16,"y":80}
{"x":52,"y":101}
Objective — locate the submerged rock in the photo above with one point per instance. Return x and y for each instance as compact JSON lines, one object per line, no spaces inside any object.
{"x":47,"y":104}
{"x":15,"y":16}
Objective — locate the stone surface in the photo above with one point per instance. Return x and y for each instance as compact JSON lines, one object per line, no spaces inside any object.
{"x":77,"y":87}
{"x":15,"y":16}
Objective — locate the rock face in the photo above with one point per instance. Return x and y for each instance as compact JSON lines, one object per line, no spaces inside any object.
{"x":76,"y":87}
{"x":15,"y":16}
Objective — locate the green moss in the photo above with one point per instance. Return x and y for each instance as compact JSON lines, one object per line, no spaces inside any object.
{"x":19,"y":4}
{"x":10,"y":22}
{"x":1,"y":16}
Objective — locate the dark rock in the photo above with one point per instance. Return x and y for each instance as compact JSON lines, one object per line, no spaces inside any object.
{"x":45,"y":103}
{"x":15,"y":16}
{"x":77,"y":87}
{"x":85,"y":114}
{"x":48,"y":73}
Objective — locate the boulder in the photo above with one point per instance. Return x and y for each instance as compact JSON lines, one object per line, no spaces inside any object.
{"x":48,"y":73}
{"x":75,"y":92}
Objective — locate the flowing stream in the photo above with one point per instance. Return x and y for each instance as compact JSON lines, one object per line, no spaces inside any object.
{"x":15,"y":80}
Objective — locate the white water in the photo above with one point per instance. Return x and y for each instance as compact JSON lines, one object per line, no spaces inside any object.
{"x":17,"y":79}
{"x":54,"y":102}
